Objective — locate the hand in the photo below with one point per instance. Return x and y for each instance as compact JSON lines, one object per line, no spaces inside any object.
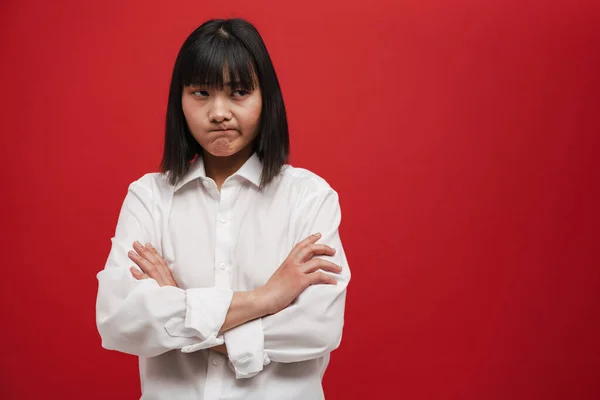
{"x":152,"y":265}
{"x":296,"y":273}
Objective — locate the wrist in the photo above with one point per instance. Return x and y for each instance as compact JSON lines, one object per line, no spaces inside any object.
{"x":261,"y":302}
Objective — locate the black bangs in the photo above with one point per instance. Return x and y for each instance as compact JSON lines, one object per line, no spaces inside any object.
{"x":211,"y":59}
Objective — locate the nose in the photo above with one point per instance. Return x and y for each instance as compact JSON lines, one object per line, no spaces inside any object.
{"x":219,"y":110}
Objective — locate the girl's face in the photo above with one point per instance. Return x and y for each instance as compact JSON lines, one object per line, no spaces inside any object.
{"x":223,"y":122}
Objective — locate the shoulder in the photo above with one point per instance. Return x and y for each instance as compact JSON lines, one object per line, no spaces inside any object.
{"x":305,"y":185}
{"x":152,"y":187}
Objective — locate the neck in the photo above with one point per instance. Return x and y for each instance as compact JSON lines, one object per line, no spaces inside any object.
{"x":221,"y":168}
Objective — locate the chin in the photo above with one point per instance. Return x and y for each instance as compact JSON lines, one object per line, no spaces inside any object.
{"x":223,"y":155}
{"x":223,"y":152}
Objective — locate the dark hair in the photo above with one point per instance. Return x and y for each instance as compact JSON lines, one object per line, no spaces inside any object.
{"x":234,"y":43}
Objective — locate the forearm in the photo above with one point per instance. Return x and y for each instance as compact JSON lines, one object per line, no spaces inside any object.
{"x":133,"y":327}
{"x":244,"y":307}
{"x":220,"y":349}
{"x":309,"y":328}
{"x":144,"y":319}
{"x":303,"y":331}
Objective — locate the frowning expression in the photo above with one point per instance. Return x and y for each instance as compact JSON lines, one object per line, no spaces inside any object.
{"x":223,"y":121}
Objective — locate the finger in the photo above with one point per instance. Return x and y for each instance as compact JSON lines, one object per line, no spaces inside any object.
{"x":160,"y":272}
{"x":153,"y":251}
{"x":317,"y":278}
{"x":146,"y":266}
{"x":157,"y":256}
{"x":303,"y":243}
{"x":145,"y":252}
{"x":318,"y":263}
{"x":162,"y":267}
{"x":310,"y":251}
{"x":137,"y":274}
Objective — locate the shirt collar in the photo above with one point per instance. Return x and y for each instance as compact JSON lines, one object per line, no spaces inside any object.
{"x":251,"y":171}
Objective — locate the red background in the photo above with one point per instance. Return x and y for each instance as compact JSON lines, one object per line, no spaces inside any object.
{"x":462,"y":137}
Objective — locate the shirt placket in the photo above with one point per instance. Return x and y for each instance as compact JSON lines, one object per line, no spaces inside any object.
{"x":224,"y":241}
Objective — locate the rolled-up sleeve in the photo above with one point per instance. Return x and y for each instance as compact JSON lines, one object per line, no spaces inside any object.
{"x":311,"y":327}
{"x":140,"y":317}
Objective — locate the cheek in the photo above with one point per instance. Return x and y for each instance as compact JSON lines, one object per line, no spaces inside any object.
{"x":252,"y":127}
{"x":191,"y":116}
{"x":253,"y":116}
{"x":186,"y":110}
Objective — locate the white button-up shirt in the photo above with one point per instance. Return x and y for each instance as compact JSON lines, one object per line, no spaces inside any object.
{"x":216,"y":243}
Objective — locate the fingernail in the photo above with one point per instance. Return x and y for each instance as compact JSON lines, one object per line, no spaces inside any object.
{"x":138,"y":243}
{"x":317,"y":234}
{"x":131,"y":253}
{"x":148,"y":245}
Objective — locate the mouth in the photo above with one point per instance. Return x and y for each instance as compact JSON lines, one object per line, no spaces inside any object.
{"x":224,"y":130}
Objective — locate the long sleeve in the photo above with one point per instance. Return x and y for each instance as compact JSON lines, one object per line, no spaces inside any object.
{"x":140,"y":317}
{"x":311,"y":326}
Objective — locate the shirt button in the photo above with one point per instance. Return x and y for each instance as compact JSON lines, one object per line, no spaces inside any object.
{"x":223,"y":219}
{"x":222,"y":266}
{"x":215,"y":362}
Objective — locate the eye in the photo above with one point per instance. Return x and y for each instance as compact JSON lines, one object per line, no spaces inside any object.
{"x":240,"y":93}
{"x":200,"y":93}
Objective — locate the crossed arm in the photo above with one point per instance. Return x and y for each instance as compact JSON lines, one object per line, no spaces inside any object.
{"x":299,"y":271}
{"x":141,"y":311}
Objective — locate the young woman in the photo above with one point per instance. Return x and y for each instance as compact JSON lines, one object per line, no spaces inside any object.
{"x":226,"y":274}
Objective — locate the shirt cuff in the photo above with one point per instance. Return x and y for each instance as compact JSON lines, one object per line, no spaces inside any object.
{"x":205,"y":312}
{"x":245,"y":349}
